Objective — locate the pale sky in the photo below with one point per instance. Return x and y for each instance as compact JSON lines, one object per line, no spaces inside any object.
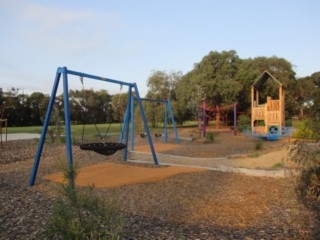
{"x":127,"y":39}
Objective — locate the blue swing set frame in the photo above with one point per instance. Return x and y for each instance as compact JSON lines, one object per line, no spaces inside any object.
{"x":124,"y":136}
{"x":168,"y":107}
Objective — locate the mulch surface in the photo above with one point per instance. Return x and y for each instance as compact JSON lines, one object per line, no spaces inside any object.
{"x":201,"y":205}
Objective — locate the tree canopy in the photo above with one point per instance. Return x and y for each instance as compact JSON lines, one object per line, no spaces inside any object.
{"x":220,"y":79}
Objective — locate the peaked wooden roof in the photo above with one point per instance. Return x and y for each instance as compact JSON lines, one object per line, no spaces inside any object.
{"x":263,"y":78}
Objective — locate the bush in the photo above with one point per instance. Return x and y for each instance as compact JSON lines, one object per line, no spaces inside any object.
{"x":210,"y":136}
{"x":306,"y":154}
{"x":244,"y":121}
{"x":82,"y":214}
{"x":307,"y":182}
{"x":258,"y":145}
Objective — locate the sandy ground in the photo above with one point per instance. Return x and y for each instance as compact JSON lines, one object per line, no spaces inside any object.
{"x":113,"y":175}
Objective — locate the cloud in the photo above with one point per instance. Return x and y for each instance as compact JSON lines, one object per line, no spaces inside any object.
{"x":59,"y":30}
{"x":53,"y":16}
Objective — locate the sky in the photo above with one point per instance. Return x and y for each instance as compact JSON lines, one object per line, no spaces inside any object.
{"x":126,"y":40}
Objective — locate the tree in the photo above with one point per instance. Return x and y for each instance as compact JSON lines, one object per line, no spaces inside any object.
{"x":315,"y":108}
{"x":216,"y":75}
{"x":90,"y":106}
{"x":17,"y":110}
{"x":119,"y":105}
{"x":38,"y":103}
{"x":194,"y":104}
{"x":161,"y":85}
{"x":304,"y":94}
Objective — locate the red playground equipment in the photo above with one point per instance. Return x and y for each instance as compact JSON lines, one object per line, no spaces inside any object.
{"x":217,"y":113}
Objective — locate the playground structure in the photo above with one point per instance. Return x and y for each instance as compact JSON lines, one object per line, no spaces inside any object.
{"x":217,"y":111}
{"x":270,"y":114}
{"x":3,"y":125}
{"x":167,"y":108}
{"x":103,"y":148}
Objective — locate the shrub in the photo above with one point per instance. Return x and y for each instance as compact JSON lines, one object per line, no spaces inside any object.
{"x":258,"y":145}
{"x":82,"y":214}
{"x":306,"y":154}
{"x":210,"y":136}
{"x":243,"y":122}
{"x":277,"y":165}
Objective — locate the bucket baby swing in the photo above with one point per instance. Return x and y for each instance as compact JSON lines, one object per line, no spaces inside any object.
{"x":106,"y":148}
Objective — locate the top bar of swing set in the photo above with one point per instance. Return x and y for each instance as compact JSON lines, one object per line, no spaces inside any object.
{"x":152,"y":100}
{"x":80,"y":74}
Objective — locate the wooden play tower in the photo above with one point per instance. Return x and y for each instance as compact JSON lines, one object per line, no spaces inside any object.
{"x":267,"y":117}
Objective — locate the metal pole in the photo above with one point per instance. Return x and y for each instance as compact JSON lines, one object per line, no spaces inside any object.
{"x":132,"y":123}
{"x":44,"y":129}
{"x":166,"y":121}
{"x":123,"y":125}
{"x":173,"y":122}
{"x":145,"y":124}
{"x":67,"y":127}
{"x":127,"y":124}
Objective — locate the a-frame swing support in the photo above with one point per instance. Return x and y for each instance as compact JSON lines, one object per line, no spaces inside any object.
{"x":124,"y":133}
{"x":168,"y":107}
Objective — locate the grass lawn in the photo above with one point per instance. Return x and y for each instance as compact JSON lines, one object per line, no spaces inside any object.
{"x":76,"y":130}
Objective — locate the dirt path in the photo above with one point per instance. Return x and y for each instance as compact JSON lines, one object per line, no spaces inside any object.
{"x":269,"y":160}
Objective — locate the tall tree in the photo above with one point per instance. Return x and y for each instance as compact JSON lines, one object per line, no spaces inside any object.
{"x":38,"y":103}
{"x":161,"y":85}
{"x":304,"y":95}
{"x":216,"y":75}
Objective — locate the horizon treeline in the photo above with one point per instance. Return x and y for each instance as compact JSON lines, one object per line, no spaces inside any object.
{"x":220,"y":79}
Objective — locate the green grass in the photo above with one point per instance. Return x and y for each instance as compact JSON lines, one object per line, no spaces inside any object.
{"x":277,"y":165}
{"x":76,"y":130}
{"x":254,"y":155}
{"x":90,"y":130}
{"x":33,"y":129}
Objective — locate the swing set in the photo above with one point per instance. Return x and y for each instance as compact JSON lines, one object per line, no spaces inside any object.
{"x":167,"y":108}
{"x":106,"y":148}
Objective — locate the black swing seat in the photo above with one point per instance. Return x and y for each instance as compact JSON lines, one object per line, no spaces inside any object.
{"x":103,"y":148}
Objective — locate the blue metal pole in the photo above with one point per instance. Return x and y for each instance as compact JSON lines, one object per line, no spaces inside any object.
{"x":127,"y":124}
{"x":173,"y":123}
{"x":123,"y":125}
{"x":67,"y":127}
{"x":145,"y":124}
{"x":98,"y":78}
{"x":166,"y":121}
{"x":132,"y":123}
{"x":44,"y":129}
